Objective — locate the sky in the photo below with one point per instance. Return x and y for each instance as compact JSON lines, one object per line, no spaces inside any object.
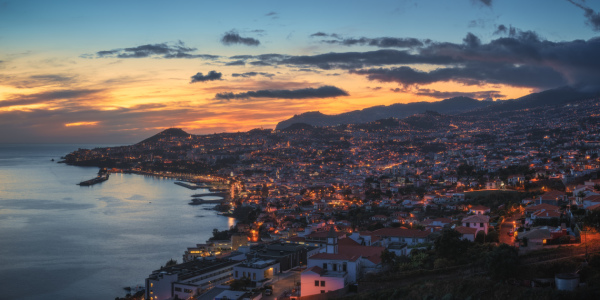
{"x":121,"y":71}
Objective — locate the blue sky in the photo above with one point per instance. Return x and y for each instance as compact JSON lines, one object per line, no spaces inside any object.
{"x":106,"y":70}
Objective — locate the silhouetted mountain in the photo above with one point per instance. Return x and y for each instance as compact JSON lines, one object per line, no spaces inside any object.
{"x":171,"y":132}
{"x":427,"y":120}
{"x":298,"y":126}
{"x":557,"y":96}
{"x":457,"y":105}
{"x":399,"y":110}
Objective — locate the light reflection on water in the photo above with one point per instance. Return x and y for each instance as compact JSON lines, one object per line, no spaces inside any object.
{"x":63,"y":241}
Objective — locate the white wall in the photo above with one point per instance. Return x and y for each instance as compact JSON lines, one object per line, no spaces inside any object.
{"x":308,"y":284}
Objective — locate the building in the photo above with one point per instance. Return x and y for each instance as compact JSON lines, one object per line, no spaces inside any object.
{"x":468,"y":233}
{"x":288,"y":255}
{"x":258,"y":271}
{"x":188,"y":279}
{"x":479,"y":222}
{"x":315,"y":280}
{"x":344,"y":261}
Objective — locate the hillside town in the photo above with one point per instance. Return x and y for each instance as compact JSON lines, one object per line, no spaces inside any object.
{"x":348,"y":210}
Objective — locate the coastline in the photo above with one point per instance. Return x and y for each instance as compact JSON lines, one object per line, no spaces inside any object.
{"x":110,"y":230}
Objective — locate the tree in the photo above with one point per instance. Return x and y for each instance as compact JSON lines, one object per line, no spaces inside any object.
{"x":169,"y":263}
{"x":240,"y":284}
{"x":593,"y":219}
{"x":502,"y":262}
{"x":219,"y":235}
{"x":450,"y":244}
{"x":388,"y":259}
{"x":492,"y":237}
{"x":480,"y":237}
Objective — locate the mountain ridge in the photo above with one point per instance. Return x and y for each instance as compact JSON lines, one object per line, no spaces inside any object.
{"x":398,"y":110}
{"x":450,"y":106}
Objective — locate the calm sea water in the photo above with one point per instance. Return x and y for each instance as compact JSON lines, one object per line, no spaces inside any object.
{"x":62,"y":241}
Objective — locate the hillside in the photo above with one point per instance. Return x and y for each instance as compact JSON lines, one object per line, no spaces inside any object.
{"x":171,"y":132}
{"x":452,"y":106}
{"x":399,"y":111}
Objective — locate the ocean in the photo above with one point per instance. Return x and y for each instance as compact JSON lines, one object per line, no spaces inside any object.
{"x":59,"y":240}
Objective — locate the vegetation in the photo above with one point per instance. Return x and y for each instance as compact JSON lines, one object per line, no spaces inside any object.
{"x":502,"y":262}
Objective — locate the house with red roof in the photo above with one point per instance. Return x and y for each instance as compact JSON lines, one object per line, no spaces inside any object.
{"x":593,"y":207}
{"x":479,"y":222}
{"x":552,"y":197}
{"x":479,"y":209}
{"x":540,"y":207}
{"x":545,"y":214}
{"x":468,"y":233}
{"x":591,"y":201}
{"x":343,"y":261}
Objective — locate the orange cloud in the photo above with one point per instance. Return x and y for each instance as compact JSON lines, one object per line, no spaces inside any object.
{"x":93,"y":123}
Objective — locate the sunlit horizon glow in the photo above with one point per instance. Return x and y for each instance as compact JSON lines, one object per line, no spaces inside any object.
{"x":133,"y":74}
{"x":92,"y":123}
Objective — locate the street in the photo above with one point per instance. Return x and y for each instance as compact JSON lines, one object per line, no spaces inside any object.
{"x":505,"y":228}
{"x":285,"y":282}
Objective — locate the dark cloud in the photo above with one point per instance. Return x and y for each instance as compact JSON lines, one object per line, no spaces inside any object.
{"x":472,"y":74}
{"x":37,"y":80}
{"x":567,"y":62}
{"x":252,"y":74}
{"x":164,"y":50}
{"x":502,"y":29}
{"x":353,"y":60}
{"x":487,"y":3}
{"x":232,"y":37}
{"x":481,"y":95}
{"x":260,"y":63}
{"x":593,"y":18}
{"x":212,"y":75}
{"x":45,"y":97}
{"x":242,"y":57}
{"x":307,"y":93}
{"x":381,"y":42}
{"x":52,"y":78}
{"x":272,"y":14}
{"x":319,"y":34}
{"x":472,"y":40}
{"x":236,"y":63}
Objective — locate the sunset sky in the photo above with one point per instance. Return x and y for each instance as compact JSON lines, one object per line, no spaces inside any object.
{"x":120,"y":71}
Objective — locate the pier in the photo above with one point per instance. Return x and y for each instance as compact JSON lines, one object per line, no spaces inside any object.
{"x":191,"y":186}
{"x":102,"y":177}
{"x":196,"y":201}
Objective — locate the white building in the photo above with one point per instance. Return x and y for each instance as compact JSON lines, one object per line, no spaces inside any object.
{"x":315,"y":280}
{"x":188,"y":279}
{"x":343,"y":263}
{"x":479,"y":222}
{"x":259,"y":272}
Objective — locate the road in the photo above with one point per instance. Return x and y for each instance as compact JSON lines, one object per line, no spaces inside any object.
{"x":284,"y":282}
{"x":506,"y":227}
